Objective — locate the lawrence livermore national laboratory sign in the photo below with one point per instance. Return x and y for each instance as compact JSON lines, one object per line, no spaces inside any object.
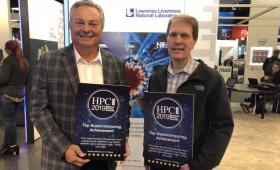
{"x":102,"y":118}
{"x":152,"y":13}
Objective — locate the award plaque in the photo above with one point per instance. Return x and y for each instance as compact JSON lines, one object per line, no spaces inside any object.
{"x":101,"y":123}
{"x":168,"y":129}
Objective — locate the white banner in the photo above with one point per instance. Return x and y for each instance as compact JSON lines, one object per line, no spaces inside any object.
{"x":138,"y":16}
{"x":45,"y":26}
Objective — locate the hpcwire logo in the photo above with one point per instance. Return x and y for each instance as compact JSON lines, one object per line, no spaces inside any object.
{"x":103,"y":104}
{"x":167,"y":112}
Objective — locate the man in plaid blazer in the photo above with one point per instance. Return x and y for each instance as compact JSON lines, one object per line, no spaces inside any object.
{"x":54,"y":88}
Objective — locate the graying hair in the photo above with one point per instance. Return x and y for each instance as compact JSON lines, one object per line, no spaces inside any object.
{"x":90,"y":4}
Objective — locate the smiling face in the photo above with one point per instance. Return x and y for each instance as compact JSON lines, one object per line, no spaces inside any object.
{"x":180,"y":41}
{"x":85,"y":26}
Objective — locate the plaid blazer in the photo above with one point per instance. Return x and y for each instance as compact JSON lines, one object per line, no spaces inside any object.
{"x":53,"y":103}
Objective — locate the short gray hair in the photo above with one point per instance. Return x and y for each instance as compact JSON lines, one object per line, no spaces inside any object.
{"x":90,"y":4}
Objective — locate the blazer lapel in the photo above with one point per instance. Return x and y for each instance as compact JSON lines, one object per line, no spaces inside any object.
{"x":106,"y":66}
{"x":70,"y":67}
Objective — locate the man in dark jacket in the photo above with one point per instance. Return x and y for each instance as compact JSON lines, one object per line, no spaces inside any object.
{"x":267,"y":65}
{"x":213,"y":123}
{"x":274,"y":80}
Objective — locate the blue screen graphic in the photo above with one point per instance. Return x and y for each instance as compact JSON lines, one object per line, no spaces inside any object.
{"x":141,"y":51}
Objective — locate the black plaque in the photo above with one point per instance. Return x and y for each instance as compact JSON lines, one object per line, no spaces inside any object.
{"x":102,"y":119}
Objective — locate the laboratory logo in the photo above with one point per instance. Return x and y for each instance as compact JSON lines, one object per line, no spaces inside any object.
{"x":167,"y":112}
{"x":151,"y":13}
{"x":103,"y":104}
{"x":130,"y":12}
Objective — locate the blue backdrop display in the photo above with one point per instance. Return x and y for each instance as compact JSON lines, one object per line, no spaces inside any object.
{"x":135,"y":32}
{"x":141,"y":51}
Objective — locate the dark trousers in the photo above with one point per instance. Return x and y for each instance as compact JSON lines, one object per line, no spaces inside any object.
{"x":100,"y":165}
{"x":275,"y":97}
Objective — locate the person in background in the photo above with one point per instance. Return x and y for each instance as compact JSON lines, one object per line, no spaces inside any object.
{"x":13,"y":76}
{"x":229,"y":61}
{"x":267,"y":65}
{"x":213,"y":122}
{"x":54,"y":89}
{"x":274,"y":79}
{"x":267,"y":68}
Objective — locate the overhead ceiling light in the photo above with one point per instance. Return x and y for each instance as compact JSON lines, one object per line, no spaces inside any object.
{"x":15,"y":8}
